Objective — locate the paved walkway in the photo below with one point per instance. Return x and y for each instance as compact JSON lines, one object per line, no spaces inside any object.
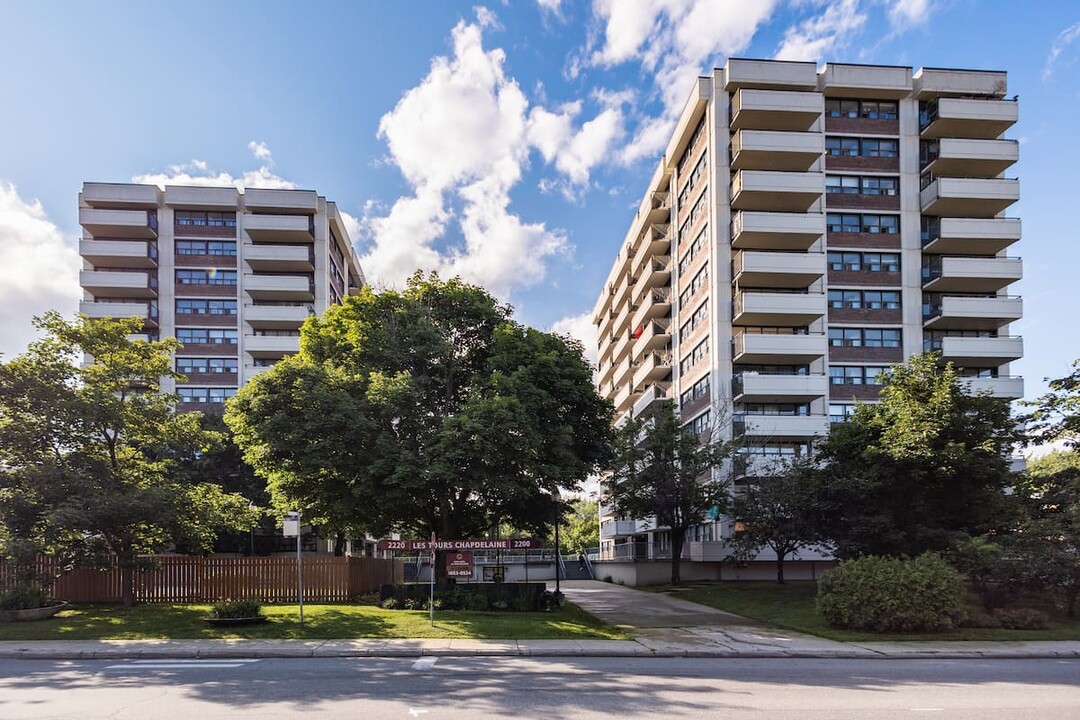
{"x":662,"y":626}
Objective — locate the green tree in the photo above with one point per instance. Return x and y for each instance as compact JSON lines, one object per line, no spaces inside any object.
{"x":427,"y":410}
{"x":776,"y":512}
{"x":1049,"y":536}
{"x":1057,"y":413}
{"x":580,"y":529}
{"x":923,"y":468}
{"x":89,"y":452}
{"x":662,"y":469}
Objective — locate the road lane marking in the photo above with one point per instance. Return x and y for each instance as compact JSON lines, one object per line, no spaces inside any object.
{"x":180,"y":664}
{"x":416,"y":713}
{"x":424,"y":663}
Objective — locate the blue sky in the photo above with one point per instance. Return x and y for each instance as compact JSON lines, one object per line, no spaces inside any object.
{"x":507,"y":142}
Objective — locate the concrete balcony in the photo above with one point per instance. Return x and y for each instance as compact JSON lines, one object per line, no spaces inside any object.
{"x":971,"y":313}
{"x":769,"y":74}
{"x":622,"y":293}
{"x":203,"y":198}
{"x":120,"y":195}
{"x":841,"y":80}
{"x":271,"y":346}
{"x":118,"y":283}
{"x":618,"y":528}
{"x":776,"y":230}
{"x":284,"y":317}
{"x":932,"y":83}
{"x":778,"y":349}
{"x":780,"y":426}
{"x":652,"y":367}
{"x":279,"y":228}
{"x":97,"y":310}
{"x":755,"y":466}
{"x":657,"y":392}
{"x":776,"y":191}
{"x":659,"y":210}
{"x":778,"y":309}
{"x":775,"y":110}
{"x":299,"y":202}
{"x":776,"y":150}
{"x":778,"y":269}
{"x":753,"y":387}
{"x":1006,"y":388}
{"x":621,"y":347}
{"x":961,"y":157}
{"x":970,"y":236}
{"x":655,"y":273}
{"x":279,"y":287}
{"x":623,"y":371}
{"x":655,"y":335}
{"x":279,"y":257}
{"x":119,"y":253}
{"x":656,"y":303}
{"x":251,"y":371}
{"x":970,"y":118}
{"x":657,"y":242}
{"x":964,"y":274}
{"x":969,"y":197}
{"x":119,"y":223}
{"x":624,"y":399}
{"x":979,"y":351}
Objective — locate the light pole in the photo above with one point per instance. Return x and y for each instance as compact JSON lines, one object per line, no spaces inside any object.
{"x":558,"y":552}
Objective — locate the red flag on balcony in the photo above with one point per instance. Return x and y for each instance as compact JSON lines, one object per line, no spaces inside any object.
{"x":637,"y":333}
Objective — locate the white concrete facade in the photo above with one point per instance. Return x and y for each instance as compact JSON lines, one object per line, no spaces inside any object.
{"x":820,"y":224}
{"x":232,"y":275}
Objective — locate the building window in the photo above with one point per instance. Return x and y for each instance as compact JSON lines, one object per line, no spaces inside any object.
{"x":206,"y":365}
{"x":699,"y":424}
{"x":201,"y":218}
{"x":206,"y":336}
{"x":867,"y":109}
{"x":699,"y":281}
{"x":222,"y":248}
{"x":204,"y":395}
{"x":773,"y":409}
{"x":862,"y":222}
{"x":699,"y":208}
{"x":696,"y":319}
{"x":856,"y":374}
{"x":212,"y":276}
{"x":864,"y":337}
{"x":841,"y":412}
{"x":861,"y":147}
{"x":861,"y":185}
{"x":699,"y":390}
{"x":869,"y":299}
{"x":699,"y":353}
{"x":777,"y":450}
{"x":864,"y":262}
{"x":695,"y":248}
{"x":771,"y":370}
{"x":206,"y":307}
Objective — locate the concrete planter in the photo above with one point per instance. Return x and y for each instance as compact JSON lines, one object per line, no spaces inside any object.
{"x":31,"y":614}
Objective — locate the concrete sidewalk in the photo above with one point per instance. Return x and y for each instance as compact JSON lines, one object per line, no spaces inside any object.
{"x":662,"y":626}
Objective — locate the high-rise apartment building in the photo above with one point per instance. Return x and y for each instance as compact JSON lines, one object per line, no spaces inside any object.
{"x":805,"y":229}
{"x":231,"y":275}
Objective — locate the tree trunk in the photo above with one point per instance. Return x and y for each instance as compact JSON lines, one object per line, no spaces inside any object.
{"x":676,"y":556}
{"x":339,"y":546}
{"x":780,"y":568}
{"x":1071,"y":601}
{"x":127,"y":577}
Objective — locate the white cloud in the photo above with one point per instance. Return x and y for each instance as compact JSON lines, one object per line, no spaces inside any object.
{"x":551,"y":7}
{"x":259,"y":149}
{"x":827,"y":32}
{"x":905,"y":14}
{"x":462,"y":138}
{"x":39,"y":269}
{"x":198,"y":172}
{"x":674,"y":41}
{"x":1062,"y":41}
{"x":581,"y":328}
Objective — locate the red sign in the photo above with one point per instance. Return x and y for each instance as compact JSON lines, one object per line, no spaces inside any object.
{"x":455,"y":545}
{"x":459,"y":564}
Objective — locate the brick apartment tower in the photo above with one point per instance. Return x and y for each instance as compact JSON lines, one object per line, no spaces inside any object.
{"x":804,"y":230}
{"x":231,"y":275}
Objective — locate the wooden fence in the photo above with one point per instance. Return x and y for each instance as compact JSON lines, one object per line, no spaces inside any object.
{"x":193,"y":579}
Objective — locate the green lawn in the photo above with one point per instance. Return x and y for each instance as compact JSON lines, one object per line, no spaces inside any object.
{"x":156,"y":621}
{"x":791,"y":606}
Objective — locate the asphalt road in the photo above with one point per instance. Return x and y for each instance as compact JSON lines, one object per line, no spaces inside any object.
{"x":475,"y":688}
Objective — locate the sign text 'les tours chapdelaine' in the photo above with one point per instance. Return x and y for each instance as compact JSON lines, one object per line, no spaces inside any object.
{"x":424,"y":545}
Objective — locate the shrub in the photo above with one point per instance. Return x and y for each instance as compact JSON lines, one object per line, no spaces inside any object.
{"x":412,"y":603}
{"x":233,"y":609}
{"x":979,"y":618}
{"x":474,"y":601}
{"x":390,"y":604}
{"x":24,"y":597}
{"x":892,"y":594}
{"x":607,"y":578}
{"x":1022,"y":619}
{"x":499,"y":605}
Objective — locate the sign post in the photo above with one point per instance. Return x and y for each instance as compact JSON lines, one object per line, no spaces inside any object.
{"x":291,"y":528}
{"x":431,"y":595}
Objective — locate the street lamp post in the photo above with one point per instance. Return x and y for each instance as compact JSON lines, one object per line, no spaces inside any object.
{"x":558,"y":552}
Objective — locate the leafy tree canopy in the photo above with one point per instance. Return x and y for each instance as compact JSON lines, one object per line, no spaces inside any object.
{"x":427,"y":410}
{"x":1057,"y":413}
{"x":922,"y":468}
{"x":89,"y":451}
